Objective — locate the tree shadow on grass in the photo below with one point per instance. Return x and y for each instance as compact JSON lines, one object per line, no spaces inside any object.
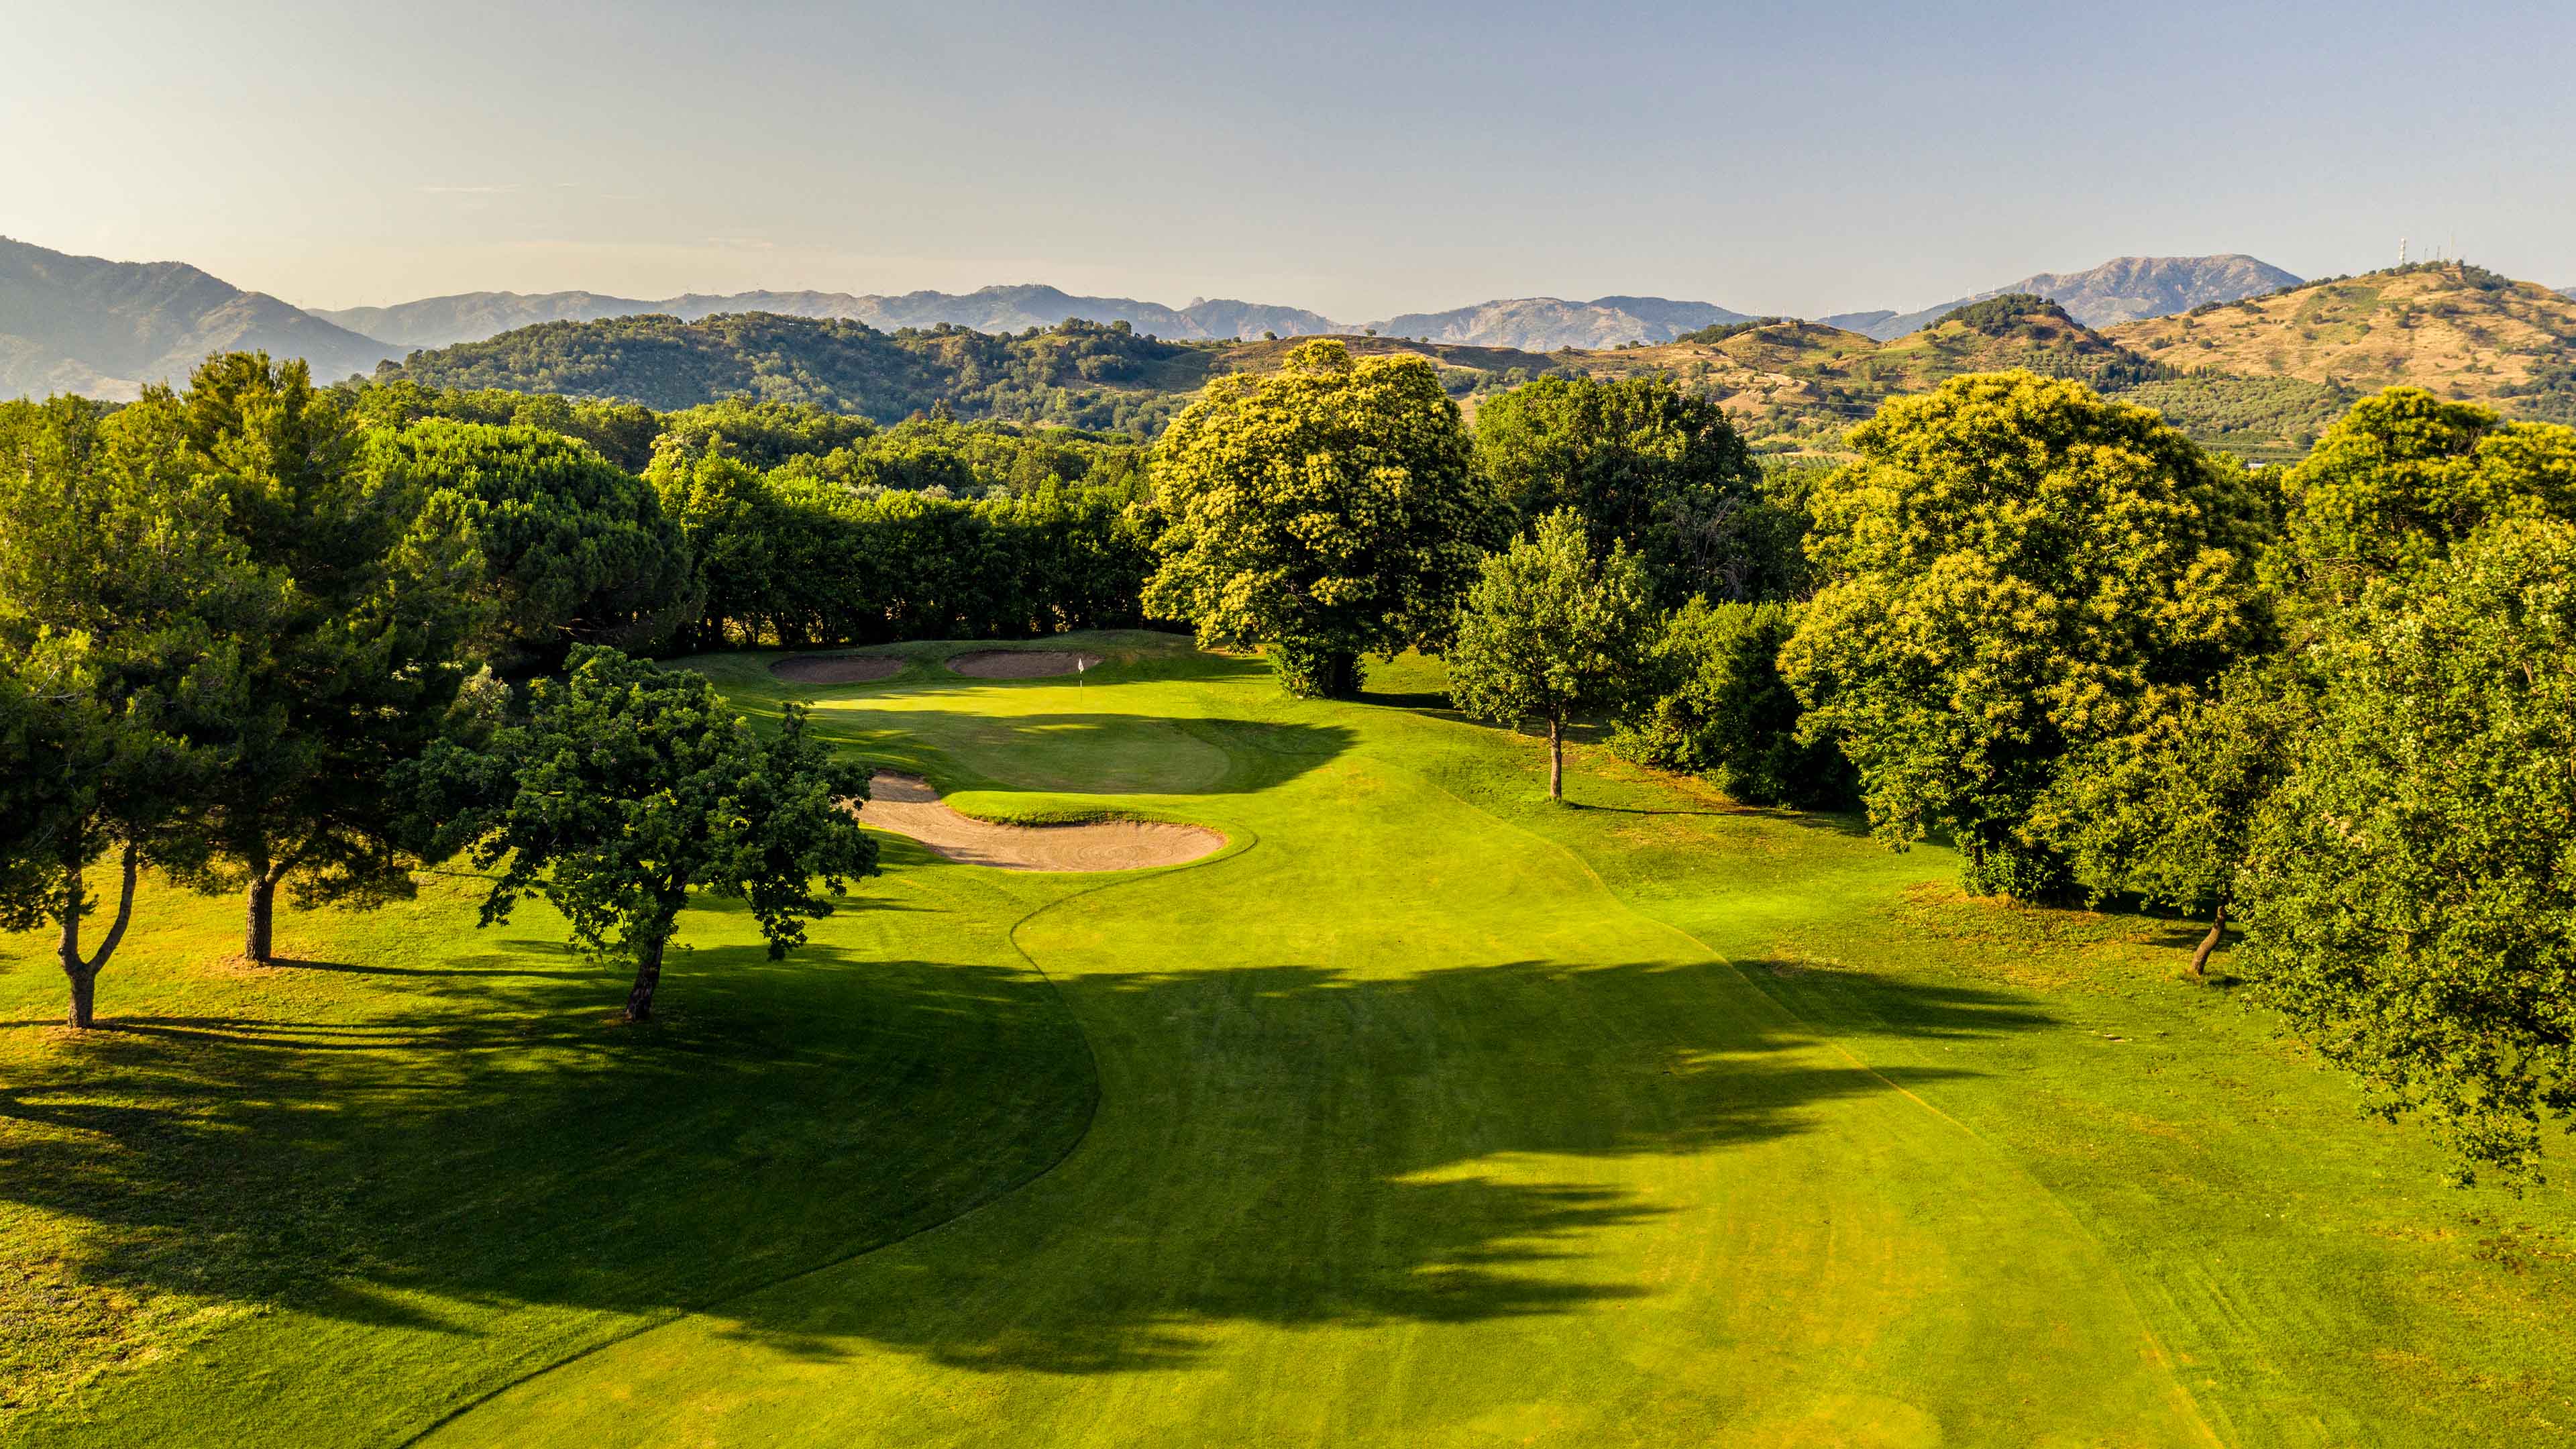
{"x":1311,"y":1154}
{"x":1287,"y":1144}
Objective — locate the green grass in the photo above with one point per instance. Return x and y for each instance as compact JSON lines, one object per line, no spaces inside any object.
{"x":1427,"y":1113}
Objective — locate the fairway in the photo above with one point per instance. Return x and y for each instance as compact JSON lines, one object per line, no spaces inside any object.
{"x":1423,"y":1112}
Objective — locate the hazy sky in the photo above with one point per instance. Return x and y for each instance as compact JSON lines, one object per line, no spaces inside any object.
{"x":1359,"y":160}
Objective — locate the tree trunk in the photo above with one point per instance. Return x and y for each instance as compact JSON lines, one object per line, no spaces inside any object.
{"x":2209,"y":943}
{"x":84,"y":999}
{"x":1556,"y":757}
{"x":648,"y":974}
{"x":261,"y":906}
{"x":84,"y":971}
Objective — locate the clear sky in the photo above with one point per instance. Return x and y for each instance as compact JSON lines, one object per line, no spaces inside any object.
{"x":1356,"y":159}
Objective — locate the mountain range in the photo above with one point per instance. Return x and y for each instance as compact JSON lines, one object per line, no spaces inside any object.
{"x":473,"y":316}
{"x":2124,"y":289}
{"x":104,"y":328}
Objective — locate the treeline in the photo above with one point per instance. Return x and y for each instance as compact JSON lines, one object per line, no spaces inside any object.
{"x":268,"y":638}
{"x":1080,"y":374}
{"x":745,"y":522}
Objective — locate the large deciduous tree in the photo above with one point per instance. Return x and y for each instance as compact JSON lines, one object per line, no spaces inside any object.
{"x":1643,"y":464}
{"x":1327,"y":510}
{"x":2012,"y":565}
{"x":1549,"y":631}
{"x":629,"y":786}
{"x":122,"y":599}
{"x":2404,"y":476}
{"x":2412,"y":900}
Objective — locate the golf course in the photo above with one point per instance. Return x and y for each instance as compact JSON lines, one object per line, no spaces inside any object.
{"x":1411,"y":1108}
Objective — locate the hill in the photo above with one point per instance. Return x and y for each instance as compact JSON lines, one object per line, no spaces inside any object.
{"x":1081,"y":374}
{"x":2123,"y":289}
{"x":1545,"y":324}
{"x":1542,"y":324}
{"x":1790,"y":385}
{"x":2455,"y":329}
{"x":474,"y":316}
{"x":1802,"y":382}
{"x":104,"y":329}
{"x":2260,"y":377}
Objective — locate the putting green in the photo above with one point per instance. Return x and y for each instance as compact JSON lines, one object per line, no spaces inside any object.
{"x":1425,"y":1113}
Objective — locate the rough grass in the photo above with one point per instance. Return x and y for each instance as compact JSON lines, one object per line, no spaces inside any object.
{"x":1433,"y":1115}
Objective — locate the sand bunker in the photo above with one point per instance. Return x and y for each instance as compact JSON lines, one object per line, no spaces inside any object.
{"x":1021,"y":663}
{"x":837,"y":668}
{"x":907,"y":805}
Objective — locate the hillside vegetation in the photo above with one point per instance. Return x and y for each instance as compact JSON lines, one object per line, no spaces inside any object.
{"x":2457,"y":330}
{"x":1081,"y":374}
{"x":474,"y":316}
{"x":2260,"y":377}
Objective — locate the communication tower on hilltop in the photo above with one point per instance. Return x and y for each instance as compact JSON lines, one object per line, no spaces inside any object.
{"x":2401,"y":251}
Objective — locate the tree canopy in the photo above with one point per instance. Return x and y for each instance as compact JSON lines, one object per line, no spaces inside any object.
{"x":123,"y":601}
{"x":2404,"y":476}
{"x":1549,"y":630}
{"x":2166,"y":810}
{"x":630,"y":785}
{"x":1722,"y":710}
{"x":1327,"y":510}
{"x":566,"y":547}
{"x":354,"y":675}
{"x":2012,"y":565}
{"x":1640,"y":461}
{"x":2412,"y":892}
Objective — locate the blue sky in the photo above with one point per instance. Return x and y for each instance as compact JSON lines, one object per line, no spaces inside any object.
{"x":1360,"y":160}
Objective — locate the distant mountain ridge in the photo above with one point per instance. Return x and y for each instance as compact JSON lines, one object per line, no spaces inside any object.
{"x":1536,"y":323}
{"x":106,"y":329}
{"x":1546,"y":324}
{"x":2123,"y":289}
{"x":473,"y":316}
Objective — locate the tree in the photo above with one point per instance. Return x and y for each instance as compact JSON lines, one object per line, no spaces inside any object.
{"x":1642,"y":462}
{"x":1550,"y":630}
{"x":2412,"y":887}
{"x":2166,"y":811}
{"x":2404,"y":476}
{"x":568,"y":547}
{"x":121,"y":597}
{"x":1326,"y":510}
{"x":353,"y":676}
{"x":2012,"y":565}
{"x":1722,"y":710}
{"x":629,"y":786}
{"x":730,"y":519}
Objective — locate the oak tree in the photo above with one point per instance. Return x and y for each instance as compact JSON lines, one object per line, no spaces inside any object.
{"x":627,"y":787}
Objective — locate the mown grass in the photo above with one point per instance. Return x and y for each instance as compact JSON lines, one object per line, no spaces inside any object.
{"x":1427,"y":1113}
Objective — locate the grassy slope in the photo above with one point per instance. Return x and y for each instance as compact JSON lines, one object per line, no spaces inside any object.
{"x":2426,"y":328}
{"x":1427,"y":1114}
